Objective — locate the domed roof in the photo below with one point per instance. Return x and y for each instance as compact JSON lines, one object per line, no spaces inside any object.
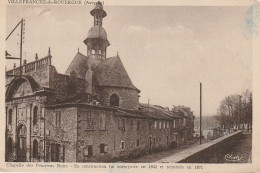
{"x":97,"y":32}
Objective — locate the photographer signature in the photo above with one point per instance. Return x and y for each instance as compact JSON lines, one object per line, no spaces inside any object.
{"x":230,"y":157}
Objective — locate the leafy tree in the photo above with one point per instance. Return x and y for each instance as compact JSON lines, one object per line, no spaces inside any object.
{"x":235,"y":110}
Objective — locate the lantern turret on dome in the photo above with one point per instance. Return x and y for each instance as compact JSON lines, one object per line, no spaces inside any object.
{"x":96,"y":41}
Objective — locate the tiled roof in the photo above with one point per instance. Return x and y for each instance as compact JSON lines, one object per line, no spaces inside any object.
{"x":140,"y":114}
{"x":79,"y":65}
{"x":157,"y":111}
{"x":111,"y":72}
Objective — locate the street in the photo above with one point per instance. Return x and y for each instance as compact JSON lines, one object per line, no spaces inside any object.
{"x":153,"y":157}
{"x":236,"y":151}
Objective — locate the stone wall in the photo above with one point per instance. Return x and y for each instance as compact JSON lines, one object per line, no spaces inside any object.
{"x":213,"y":149}
{"x":128,"y":98}
{"x":61,"y":84}
{"x":65,"y":134}
{"x":117,"y":129}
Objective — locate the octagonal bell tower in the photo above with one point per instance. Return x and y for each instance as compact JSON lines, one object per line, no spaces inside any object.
{"x":96,"y":41}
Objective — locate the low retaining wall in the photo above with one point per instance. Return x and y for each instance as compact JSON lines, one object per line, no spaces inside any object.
{"x":210,"y":152}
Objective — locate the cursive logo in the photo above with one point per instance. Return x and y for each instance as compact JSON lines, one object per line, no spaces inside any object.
{"x":230,"y":157}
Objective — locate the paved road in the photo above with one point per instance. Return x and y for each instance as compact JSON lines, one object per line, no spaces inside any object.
{"x":240,"y":147}
{"x":149,"y":158}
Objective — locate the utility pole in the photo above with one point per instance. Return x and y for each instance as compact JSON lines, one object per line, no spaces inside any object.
{"x":200,"y":110}
{"x":239,"y":113}
{"x":21,"y":48}
{"x":8,"y":56}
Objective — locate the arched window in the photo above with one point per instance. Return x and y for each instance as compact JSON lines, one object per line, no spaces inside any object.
{"x":35,"y":148}
{"x":114,"y":100}
{"x":35,"y":112}
{"x":10,"y":117}
{"x":9,"y":145}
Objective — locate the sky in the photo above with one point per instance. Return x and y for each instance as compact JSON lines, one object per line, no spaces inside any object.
{"x":167,"y":50}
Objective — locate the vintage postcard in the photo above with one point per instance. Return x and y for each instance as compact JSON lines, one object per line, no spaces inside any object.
{"x":108,"y":86}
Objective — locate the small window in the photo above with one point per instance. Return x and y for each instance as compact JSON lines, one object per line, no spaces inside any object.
{"x":163,"y":124}
{"x":174,"y":124}
{"x":48,"y":132}
{"x":102,"y":122}
{"x":155,"y":124}
{"x":103,"y":148}
{"x":35,"y":148}
{"x":114,"y":100}
{"x":123,"y":125}
{"x":122,"y":145}
{"x":10,"y":117}
{"x":90,"y":123}
{"x":137,"y":142}
{"x":160,"y":124}
{"x":58,"y":119}
{"x":88,"y":151}
{"x":35,"y":115}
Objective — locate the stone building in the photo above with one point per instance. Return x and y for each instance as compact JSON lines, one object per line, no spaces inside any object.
{"x":89,"y":114}
{"x":186,"y":123}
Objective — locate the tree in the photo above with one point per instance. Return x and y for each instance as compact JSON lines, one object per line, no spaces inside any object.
{"x":227,"y":112}
{"x":246,"y":108}
{"x":235,"y":110}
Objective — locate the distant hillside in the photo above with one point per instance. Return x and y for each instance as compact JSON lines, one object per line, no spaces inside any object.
{"x":207,"y":122}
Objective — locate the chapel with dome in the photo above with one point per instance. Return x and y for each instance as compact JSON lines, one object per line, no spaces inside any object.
{"x":89,"y":114}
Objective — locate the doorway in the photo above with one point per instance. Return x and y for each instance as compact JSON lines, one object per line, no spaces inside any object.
{"x":21,"y":144}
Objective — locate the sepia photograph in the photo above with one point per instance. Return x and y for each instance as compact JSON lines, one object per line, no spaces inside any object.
{"x":129,"y":84}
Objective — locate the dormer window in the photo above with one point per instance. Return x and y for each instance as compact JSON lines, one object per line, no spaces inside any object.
{"x":114,"y":100}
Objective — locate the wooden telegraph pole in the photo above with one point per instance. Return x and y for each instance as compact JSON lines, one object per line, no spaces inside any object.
{"x":8,"y":56}
{"x":21,"y":48}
